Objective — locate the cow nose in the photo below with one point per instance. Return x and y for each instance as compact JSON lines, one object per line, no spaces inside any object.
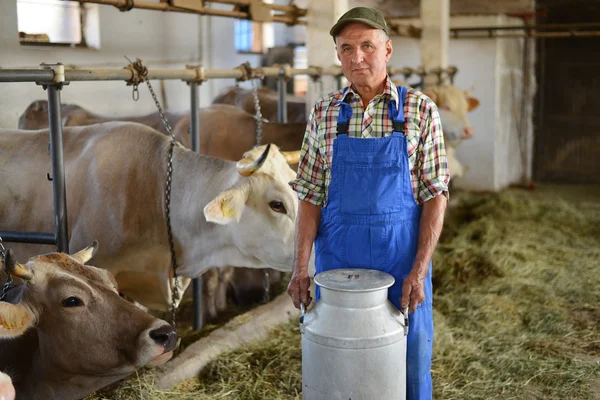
{"x":165,"y":336}
{"x":468,"y":132}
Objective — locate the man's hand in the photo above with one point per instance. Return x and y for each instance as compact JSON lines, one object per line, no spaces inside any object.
{"x":413,"y":292}
{"x":298,"y":288}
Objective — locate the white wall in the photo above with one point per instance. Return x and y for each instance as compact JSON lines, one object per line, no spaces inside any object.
{"x":165,"y":40}
{"x":493,"y":68}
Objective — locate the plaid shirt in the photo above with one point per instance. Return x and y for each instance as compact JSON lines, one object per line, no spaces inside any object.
{"x":423,"y":128}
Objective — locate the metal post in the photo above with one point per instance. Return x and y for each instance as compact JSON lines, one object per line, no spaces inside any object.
{"x":58,"y":170}
{"x":340,"y":81}
{"x":195,"y":136}
{"x":282,"y":103}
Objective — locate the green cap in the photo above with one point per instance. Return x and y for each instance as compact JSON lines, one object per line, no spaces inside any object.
{"x":365,"y":15}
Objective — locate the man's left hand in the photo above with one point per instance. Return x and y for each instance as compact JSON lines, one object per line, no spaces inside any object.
{"x":413,"y":292}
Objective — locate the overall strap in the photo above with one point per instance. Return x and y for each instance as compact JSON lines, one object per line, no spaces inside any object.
{"x":343,"y":121}
{"x":396,"y":114}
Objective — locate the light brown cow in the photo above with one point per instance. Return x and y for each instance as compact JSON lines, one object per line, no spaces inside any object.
{"x":71,"y":334}
{"x":268,"y":101}
{"x":115,"y":176}
{"x":226,"y":132}
{"x":35,"y":117}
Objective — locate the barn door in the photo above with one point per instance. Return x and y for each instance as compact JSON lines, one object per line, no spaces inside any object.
{"x":567,"y":134}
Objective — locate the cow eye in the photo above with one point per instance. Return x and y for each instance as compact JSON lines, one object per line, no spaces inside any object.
{"x":278,"y":206}
{"x":72,"y":302}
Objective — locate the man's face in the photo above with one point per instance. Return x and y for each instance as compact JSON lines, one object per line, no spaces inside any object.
{"x":363,"y":54}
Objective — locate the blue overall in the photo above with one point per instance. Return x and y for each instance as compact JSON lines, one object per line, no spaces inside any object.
{"x":372,"y":221}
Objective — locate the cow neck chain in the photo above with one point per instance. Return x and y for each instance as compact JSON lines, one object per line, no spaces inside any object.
{"x":9,"y":280}
{"x":258,"y":115}
{"x":143,"y":72}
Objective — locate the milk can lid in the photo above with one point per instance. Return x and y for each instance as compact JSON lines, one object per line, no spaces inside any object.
{"x":354,"y":280}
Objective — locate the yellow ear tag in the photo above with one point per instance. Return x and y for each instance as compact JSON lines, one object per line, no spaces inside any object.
{"x":227,"y":211}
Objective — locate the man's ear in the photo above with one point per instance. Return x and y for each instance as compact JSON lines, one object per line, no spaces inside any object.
{"x":227,"y":207}
{"x":389,"y":49}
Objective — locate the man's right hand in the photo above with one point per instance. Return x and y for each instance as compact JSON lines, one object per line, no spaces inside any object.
{"x":298,"y":288}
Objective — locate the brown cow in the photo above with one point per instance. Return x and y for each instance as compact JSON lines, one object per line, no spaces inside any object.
{"x":36,"y":117}
{"x":268,"y":102}
{"x":71,"y":334}
{"x":227,"y":132}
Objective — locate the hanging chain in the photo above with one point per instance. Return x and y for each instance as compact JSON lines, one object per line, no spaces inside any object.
{"x":143,"y":72}
{"x":9,"y":280}
{"x":258,"y":115}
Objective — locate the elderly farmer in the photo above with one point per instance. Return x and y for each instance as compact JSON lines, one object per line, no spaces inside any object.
{"x":373,"y":184}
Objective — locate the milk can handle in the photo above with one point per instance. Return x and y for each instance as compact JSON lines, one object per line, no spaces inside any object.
{"x":405,"y":314}
{"x":302,"y":312}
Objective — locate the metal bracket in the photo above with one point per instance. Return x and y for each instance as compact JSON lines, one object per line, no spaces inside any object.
{"x":260,"y":12}
{"x":246,"y":72}
{"x":59,"y":75}
{"x":317,"y":75}
{"x":200,"y":74}
{"x":285,"y":72}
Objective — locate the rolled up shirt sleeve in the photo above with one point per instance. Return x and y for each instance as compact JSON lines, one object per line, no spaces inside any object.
{"x":310,"y":178}
{"x":433,"y":173}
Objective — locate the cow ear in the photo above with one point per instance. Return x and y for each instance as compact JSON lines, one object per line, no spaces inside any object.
{"x":15,"y":319}
{"x":227,"y":207}
{"x":85,"y":255}
{"x":431,"y":94}
{"x":473,"y":103}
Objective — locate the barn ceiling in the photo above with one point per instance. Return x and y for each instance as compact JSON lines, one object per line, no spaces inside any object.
{"x":410,"y":8}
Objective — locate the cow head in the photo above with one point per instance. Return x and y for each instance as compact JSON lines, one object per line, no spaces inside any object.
{"x":84,"y":328}
{"x":35,"y":115}
{"x":453,"y":105}
{"x":260,"y":210}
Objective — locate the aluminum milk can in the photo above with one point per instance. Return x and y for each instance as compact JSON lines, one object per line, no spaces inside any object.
{"x":354,"y":339}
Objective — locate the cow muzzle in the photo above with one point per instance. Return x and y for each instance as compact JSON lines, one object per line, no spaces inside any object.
{"x":7,"y":390}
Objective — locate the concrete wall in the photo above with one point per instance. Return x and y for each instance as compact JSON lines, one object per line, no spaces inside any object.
{"x":162,"y":40}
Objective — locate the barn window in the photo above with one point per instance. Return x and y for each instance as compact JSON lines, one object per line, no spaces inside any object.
{"x":58,"y":22}
{"x":248,"y":36}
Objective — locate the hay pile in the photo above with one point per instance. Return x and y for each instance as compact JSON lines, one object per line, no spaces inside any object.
{"x":517,"y":311}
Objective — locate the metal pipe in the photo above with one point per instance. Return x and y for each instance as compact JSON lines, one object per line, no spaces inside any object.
{"x":58,"y":171}
{"x":195,"y":141}
{"x":125,"y":74}
{"x":282,"y":103}
{"x":163,"y":6}
{"x":26,"y":75}
{"x":277,"y":7}
{"x":555,"y":35}
{"x":28,"y":237}
{"x":535,"y":27}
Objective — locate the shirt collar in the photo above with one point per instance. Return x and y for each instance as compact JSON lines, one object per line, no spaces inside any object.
{"x":390,"y":91}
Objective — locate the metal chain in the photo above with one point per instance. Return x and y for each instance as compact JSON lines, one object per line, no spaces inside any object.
{"x":143,"y":71}
{"x":9,"y":280}
{"x":258,"y":115}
